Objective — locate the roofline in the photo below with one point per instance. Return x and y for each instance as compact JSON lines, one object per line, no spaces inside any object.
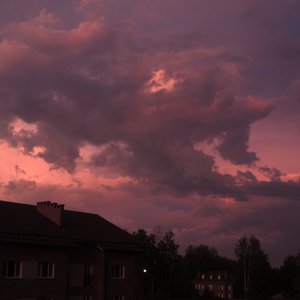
{"x":62,"y":241}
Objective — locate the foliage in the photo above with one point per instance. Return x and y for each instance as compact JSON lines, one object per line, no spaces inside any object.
{"x":255,"y":268}
{"x":161,"y":260}
{"x":203,"y":259}
{"x":290,"y":272}
{"x":170,"y":275}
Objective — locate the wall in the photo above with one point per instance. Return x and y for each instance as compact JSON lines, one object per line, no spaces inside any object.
{"x":31,"y":286}
{"x":69,"y":283}
{"x":131,"y":287}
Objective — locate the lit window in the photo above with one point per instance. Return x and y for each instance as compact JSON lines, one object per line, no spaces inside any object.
{"x":210,"y":277}
{"x":210,"y":287}
{"x":118,"y":271}
{"x":12,"y":269}
{"x":46,"y":270}
{"x":118,"y":297}
{"x":203,"y":276}
{"x":229,"y":288}
{"x":219,"y":277}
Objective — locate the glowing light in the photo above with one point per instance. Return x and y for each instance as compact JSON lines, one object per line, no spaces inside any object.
{"x":160,"y":81}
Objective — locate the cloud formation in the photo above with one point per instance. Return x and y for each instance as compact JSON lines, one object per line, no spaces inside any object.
{"x":140,"y":87}
{"x":72,"y":85}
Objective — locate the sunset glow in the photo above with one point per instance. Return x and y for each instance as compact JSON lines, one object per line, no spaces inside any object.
{"x":179,"y":114}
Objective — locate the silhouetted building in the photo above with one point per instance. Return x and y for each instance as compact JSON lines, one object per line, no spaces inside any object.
{"x":49,"y":253}
{"x":217,"y":284}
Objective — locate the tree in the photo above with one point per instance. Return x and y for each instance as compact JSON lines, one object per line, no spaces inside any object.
{"x":167,"y":247}
{"x":297,"y":277}
{"x":148,"y":242}
{"x":201,"y":258}
{"x":161,"y":261}
{"x":142,"y":236}
{"x":167,"y":257}
{"x":255,"y":266}
{"x":290,"y":274}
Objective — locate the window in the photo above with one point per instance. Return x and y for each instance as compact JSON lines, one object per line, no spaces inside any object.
{"x":118,"y":297}
{"x":219,"y":277}
{"x":12,"y":269}
{"x":46,"y":270}
{"x":210,"y":277}
{"x":88,"y":275}
{"x":203,"y":276}
{"x":118,"y":271}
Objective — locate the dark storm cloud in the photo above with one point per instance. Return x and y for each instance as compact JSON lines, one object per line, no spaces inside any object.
{"x":179,"y":168}
{"x":18,"y":186}
{"x":289,"y":190}
{"x":273,"y":173}
{"x":234,"y":147}
{"x":246,"y":177}
{"x":87,"y":83}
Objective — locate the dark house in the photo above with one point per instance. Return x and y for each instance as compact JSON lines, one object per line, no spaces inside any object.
{"x":217,"y":284}
{"x":49,"y":253}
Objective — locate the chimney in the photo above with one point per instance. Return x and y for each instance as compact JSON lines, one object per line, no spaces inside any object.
{"x":51,"y":210}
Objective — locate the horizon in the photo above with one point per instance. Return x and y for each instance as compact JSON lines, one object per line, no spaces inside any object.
{"x":159,"y":234}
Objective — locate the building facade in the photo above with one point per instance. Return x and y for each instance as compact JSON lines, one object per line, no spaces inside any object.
{"x":218,"y":284}
{"x":49,"y":253}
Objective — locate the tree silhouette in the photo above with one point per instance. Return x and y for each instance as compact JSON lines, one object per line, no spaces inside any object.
{"x":161,"y":261}
{"x":255,"y":267}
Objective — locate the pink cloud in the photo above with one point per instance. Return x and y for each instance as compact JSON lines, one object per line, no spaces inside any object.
{"x":77,"y":74}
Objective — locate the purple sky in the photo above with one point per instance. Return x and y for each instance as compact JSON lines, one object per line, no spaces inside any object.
{"x":170,"y":114}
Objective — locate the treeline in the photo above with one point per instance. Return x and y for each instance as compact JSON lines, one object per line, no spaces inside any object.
{"x":170,"y":275}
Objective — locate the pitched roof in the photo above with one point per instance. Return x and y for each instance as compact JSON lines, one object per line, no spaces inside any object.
{"x":23,"y":220}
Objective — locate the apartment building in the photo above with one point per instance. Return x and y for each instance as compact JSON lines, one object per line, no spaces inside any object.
{"x":49,"y":253}
{"x":218,"y":284}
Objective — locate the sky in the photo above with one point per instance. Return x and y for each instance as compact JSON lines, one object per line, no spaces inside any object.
{"x":177,"y":115}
